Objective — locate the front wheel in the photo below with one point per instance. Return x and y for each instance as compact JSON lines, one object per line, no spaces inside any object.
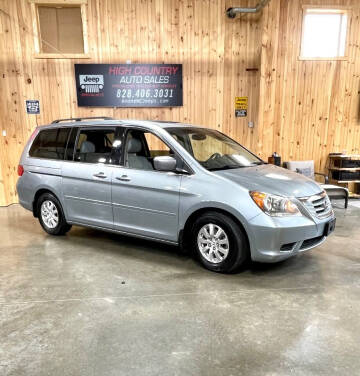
{"x":51,"y":215}
{"x":219,"y":242}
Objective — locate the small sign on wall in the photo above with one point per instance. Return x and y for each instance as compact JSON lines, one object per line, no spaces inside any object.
{"x":241,"y":106}
{"x":32,"y":106}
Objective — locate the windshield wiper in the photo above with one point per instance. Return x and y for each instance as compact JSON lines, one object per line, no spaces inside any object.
{"x":225,"y":167}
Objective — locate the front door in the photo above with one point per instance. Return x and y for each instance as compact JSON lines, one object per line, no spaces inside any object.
{"x":87,"y":178}
{"x":145,"y":201}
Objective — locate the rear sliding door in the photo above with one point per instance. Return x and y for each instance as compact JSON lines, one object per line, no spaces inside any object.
{"x":87,"y":175}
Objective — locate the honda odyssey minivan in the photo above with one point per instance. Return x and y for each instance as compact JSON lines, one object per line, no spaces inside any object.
{"x":177,"y":183}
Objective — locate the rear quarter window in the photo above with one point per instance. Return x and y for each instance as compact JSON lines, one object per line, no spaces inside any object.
{"x":50,"y":144}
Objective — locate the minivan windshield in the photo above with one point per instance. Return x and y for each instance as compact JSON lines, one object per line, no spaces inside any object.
{"x":212,"y":149}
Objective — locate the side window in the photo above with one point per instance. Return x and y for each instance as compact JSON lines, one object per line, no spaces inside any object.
{"x":95,"y":146}
{"x":50,"y":144}
{"x":156,"y":146}
{"x":142,"y":147}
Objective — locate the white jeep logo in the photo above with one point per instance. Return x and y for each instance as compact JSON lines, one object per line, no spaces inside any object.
{"x":91,"y":83}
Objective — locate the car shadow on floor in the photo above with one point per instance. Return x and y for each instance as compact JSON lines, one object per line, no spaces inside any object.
{"x":151,"y":251}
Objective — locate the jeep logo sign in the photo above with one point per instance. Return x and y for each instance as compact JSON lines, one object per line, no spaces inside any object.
{"x":96,"y":79}
{"x":91,"y":83}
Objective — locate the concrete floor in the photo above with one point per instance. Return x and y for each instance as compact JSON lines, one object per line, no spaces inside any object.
{"x":92,"y":304}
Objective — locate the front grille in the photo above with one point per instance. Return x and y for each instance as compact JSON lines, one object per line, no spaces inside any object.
{"x":319,"y":205}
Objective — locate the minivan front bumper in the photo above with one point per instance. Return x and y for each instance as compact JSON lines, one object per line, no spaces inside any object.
{"x":274,"y":239}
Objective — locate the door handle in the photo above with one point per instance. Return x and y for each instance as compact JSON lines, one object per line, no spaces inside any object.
{"x":123,"y":178}
{"x":100,"y":175}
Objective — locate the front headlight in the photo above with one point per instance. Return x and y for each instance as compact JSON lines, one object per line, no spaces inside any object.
{"x":275,"y":206}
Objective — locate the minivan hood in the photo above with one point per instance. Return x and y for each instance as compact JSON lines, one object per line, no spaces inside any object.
{"x":272,"y":179}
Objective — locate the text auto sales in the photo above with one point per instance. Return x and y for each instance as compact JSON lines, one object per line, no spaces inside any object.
{"x":143,"y":74}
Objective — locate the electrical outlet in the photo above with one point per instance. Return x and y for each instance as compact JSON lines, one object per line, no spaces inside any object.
{"x":4,"y":133}
{"x":251,"y":124}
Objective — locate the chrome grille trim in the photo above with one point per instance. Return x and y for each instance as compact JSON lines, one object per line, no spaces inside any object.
{"x":318,"y":206}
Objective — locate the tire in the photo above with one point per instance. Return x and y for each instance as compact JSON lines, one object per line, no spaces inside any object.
{"x":51,"y":215}
{"x":231,"y":238}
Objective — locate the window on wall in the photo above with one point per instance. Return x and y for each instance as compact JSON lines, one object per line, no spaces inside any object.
{"x":60,"y":29}
{"x":324,"y":34}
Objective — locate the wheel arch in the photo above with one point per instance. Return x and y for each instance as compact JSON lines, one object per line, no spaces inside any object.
{"x":185,"y":231}
{"x":38,"y":194}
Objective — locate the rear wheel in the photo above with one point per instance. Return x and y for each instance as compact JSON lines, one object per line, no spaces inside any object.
{"x":51,"y":215}
{"x":219,"y":242}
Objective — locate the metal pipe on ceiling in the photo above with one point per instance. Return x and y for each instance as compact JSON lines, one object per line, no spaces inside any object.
{"x":232,"y":12}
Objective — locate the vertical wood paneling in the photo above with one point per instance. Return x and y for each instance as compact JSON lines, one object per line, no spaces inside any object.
{"x":301,"y":109}
{"x":214,"y":51}
{"x":315,"y":108}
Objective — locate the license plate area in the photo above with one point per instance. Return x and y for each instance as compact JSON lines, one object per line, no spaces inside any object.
{"x":329,"y":227}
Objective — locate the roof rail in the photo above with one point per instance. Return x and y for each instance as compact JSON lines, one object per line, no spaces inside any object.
{"x":82,"y":118}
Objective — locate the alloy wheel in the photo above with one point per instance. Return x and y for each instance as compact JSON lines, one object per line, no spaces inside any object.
{"x":49,"y":214}
{"x":213,"y":243}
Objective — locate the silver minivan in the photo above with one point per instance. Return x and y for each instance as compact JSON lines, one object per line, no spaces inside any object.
{"x":171,"y":182}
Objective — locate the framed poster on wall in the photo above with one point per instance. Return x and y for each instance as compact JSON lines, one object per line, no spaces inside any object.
{"x":129,"y":85}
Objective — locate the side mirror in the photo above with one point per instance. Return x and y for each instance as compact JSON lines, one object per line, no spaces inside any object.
{"x":164,"y":163}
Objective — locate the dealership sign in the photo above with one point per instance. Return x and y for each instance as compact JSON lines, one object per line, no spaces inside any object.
{"x":129,"y":85}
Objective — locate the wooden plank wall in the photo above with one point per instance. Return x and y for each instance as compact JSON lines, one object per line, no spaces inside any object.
{"x":301,"y":109}
{"x":214,"y":50}
{"x":307,"y":108}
